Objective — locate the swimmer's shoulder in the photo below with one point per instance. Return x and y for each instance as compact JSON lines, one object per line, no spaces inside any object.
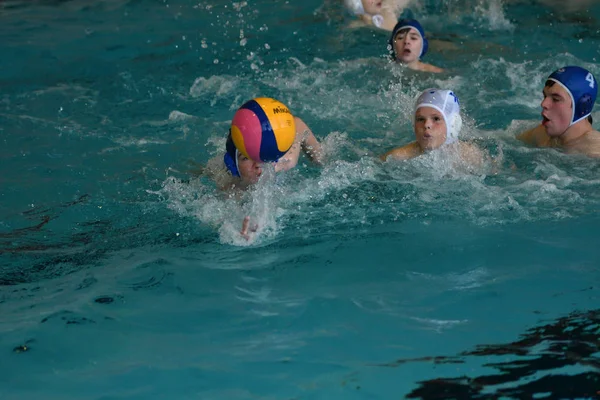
{"x":406,"y":152}
{"x":593,"y":136}
{"x":535,"y":136}
{"x":471,"y":153}
{"x":215,"y":169}
{"x":433,"y":68}
{"x":590,"y":145}
{"x":425,"y":67}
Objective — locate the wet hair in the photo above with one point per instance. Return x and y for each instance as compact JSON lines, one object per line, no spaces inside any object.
{"x":402,"y":31}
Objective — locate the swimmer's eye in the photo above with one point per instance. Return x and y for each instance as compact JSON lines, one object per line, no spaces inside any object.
{"x":555,"y":98}
{"x":412,"y":36}
{"x":437,"y":119}
{"x":401,"y":35}
{"x":420,"y":119}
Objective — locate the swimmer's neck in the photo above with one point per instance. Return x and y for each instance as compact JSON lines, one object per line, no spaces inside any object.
{"x":574,"y":133}
{"x":416,"y":65}
{"x":236,"y":184}
{"x":422,"y":150}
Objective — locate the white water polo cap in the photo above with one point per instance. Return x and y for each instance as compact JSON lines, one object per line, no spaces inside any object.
{"x":355,"y":6}
{"x":446,"y":102}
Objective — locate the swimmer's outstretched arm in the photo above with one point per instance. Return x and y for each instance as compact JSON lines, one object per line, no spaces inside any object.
{"x":305,"y":141}
{"x":310,"y":144}
{"x":246,"y":226}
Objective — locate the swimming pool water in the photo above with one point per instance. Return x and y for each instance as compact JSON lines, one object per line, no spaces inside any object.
{"x":123,"y":275}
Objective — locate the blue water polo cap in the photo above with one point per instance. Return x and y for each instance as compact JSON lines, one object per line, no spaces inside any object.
{"x":581,"y":86}
{"x":230,"y":157}
{"x":407,"y":24}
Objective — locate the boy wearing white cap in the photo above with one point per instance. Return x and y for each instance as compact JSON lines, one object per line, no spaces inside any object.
{"x":437,"y":123}
{"x":379,"y":13}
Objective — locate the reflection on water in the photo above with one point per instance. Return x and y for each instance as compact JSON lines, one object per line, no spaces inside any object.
{"x":557,"y":360}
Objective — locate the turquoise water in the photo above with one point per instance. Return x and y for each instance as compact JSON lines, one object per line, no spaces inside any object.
{"x":123,"y":276}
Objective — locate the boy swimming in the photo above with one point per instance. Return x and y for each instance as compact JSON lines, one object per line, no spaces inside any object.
{"x":238,"y":171}
{"x":263,"y":130}
{"x":408,"y":44}
{"x":569,"y":97}
{"x":379,"y":13}
{"x":437,"y":123}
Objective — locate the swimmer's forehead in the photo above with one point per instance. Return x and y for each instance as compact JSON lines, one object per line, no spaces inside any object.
{"x":410,"y":30}
{"x":426,"y":111}
{"x":554,"y":89}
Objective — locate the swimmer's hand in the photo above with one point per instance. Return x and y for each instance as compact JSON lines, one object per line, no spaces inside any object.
{"x":246,"y":226}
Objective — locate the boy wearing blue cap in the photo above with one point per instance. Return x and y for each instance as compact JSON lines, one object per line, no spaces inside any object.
{"x":408,"y":44}
{"x":569,"y":97}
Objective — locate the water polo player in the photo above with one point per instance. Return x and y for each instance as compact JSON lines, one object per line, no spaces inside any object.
{"x":264,"y":130}
{"x":569,"y":97}
{"x":408,"y":44}
{"x":437,"y":123}
{"x":379,"y":13}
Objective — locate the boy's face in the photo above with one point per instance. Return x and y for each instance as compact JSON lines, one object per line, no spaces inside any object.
{"x":408,"y":45}
{"x":249,"y":169}
{"x":430,"y":128}
{"x":557,"y":110}
{"x":372,"y":6}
